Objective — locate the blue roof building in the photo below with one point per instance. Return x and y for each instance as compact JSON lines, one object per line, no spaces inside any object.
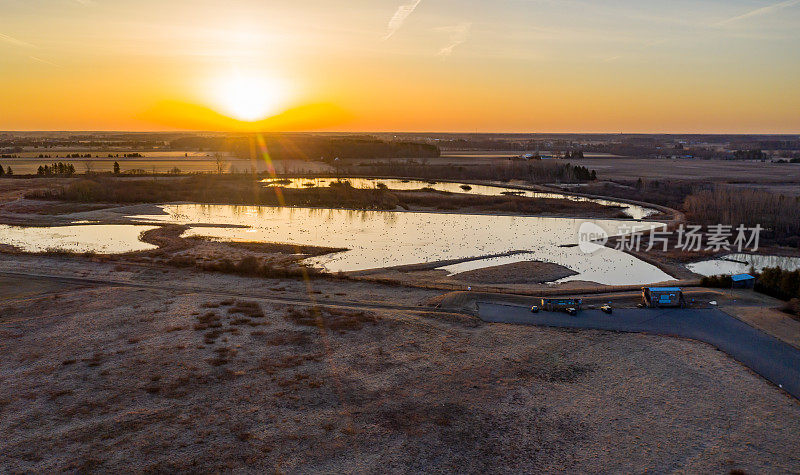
{"x":656,"y":297}
{"x":743,"y":281}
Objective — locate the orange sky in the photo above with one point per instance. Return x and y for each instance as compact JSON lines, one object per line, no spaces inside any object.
{"x":408,"y":65}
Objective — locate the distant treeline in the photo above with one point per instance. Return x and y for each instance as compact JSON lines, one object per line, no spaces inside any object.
{"x":767,"y":144}
{"x":779,"y":283}
{"x":707,"y":204}
{"x":533,"y":171}
{"x":131,"y":141}
{"x":309,"y":147}
{"x":779,"y":215}
{"x":504,"y":144}
{"x":60,"y":169}
{"x":749,"y":155}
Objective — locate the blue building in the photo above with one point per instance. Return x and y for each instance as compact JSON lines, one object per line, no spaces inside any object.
{"x":657,"y":297}
{"x":743,"y":281}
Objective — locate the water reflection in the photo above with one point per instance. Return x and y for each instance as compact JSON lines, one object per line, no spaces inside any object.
{"x":99,"y":238}
{"x":634,"y":211}
{"x":741,"y":263}
{"x":378,"y":239}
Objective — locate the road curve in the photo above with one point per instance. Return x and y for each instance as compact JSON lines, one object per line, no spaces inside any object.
{"x":776,"y":361}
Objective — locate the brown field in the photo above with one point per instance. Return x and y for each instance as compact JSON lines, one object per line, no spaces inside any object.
{"x":718,"y":171}
{"x":781,"y":176}
{"x":163,"y":165}
{"x":216,"y":373}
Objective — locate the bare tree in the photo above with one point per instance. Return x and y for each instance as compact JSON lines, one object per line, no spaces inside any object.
{"x":220,"y":162}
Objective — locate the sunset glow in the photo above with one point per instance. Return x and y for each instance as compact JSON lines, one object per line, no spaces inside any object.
{"x":250,"y":97}
{"x":399,"y":65}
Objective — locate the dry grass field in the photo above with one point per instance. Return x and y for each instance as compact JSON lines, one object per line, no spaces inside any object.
{"x":146,"y":376}
{"x":719,"y":171}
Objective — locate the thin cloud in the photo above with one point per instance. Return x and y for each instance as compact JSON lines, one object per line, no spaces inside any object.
{"x":759,"y":11}
{"x":399,"y":17}
{"x":86,"y":3}
{"x":43,"y":61}
{"x":14,"y":41}
{"x":458,"y":34}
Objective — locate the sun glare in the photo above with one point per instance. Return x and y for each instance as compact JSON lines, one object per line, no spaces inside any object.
{"x":250,"y":97}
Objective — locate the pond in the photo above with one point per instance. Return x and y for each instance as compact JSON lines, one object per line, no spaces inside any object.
{"x":378,"y":239}
{"x":87,"y":237}
{"x":741,"y":263}
{"x":375,"y":239}
{"x":634,"y":211}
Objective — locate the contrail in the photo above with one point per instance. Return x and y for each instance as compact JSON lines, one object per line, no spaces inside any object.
{"x":14,"y":41}
{"x":458,"y":34}
{"x":760,"y":11}
{"x":403,"y":11}
{"x":43,"y":61}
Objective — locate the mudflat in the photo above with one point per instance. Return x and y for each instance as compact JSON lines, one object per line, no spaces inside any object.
{"x":528,"y":272}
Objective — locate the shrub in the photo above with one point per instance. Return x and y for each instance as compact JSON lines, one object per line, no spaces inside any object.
{"x":792,"y":307}
{"x":248,"y":308}
{"x":779,"y":283}
{"x":334,"y":319}
{"x":248,"y":266}
{"x":717,"y":282}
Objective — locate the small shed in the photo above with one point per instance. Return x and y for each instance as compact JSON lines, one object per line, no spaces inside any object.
{"x":560,"y":305}
{"x":743,"y":281}
{"x":656,"y":297}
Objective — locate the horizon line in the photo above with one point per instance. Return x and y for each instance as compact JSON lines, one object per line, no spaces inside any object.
{"x":122,"y":131}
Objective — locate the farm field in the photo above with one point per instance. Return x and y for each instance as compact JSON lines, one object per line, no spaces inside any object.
{"x":161,"y":165}
{"x":765,"y":174}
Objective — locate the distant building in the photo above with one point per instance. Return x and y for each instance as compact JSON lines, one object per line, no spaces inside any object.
{"x":743,"y":281}
{"x":658,"y":297}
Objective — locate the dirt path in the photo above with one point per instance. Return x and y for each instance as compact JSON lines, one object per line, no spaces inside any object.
{"x":309,"y":300}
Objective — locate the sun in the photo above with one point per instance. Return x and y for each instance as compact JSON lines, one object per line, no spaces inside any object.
{"x":250,"y":97}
